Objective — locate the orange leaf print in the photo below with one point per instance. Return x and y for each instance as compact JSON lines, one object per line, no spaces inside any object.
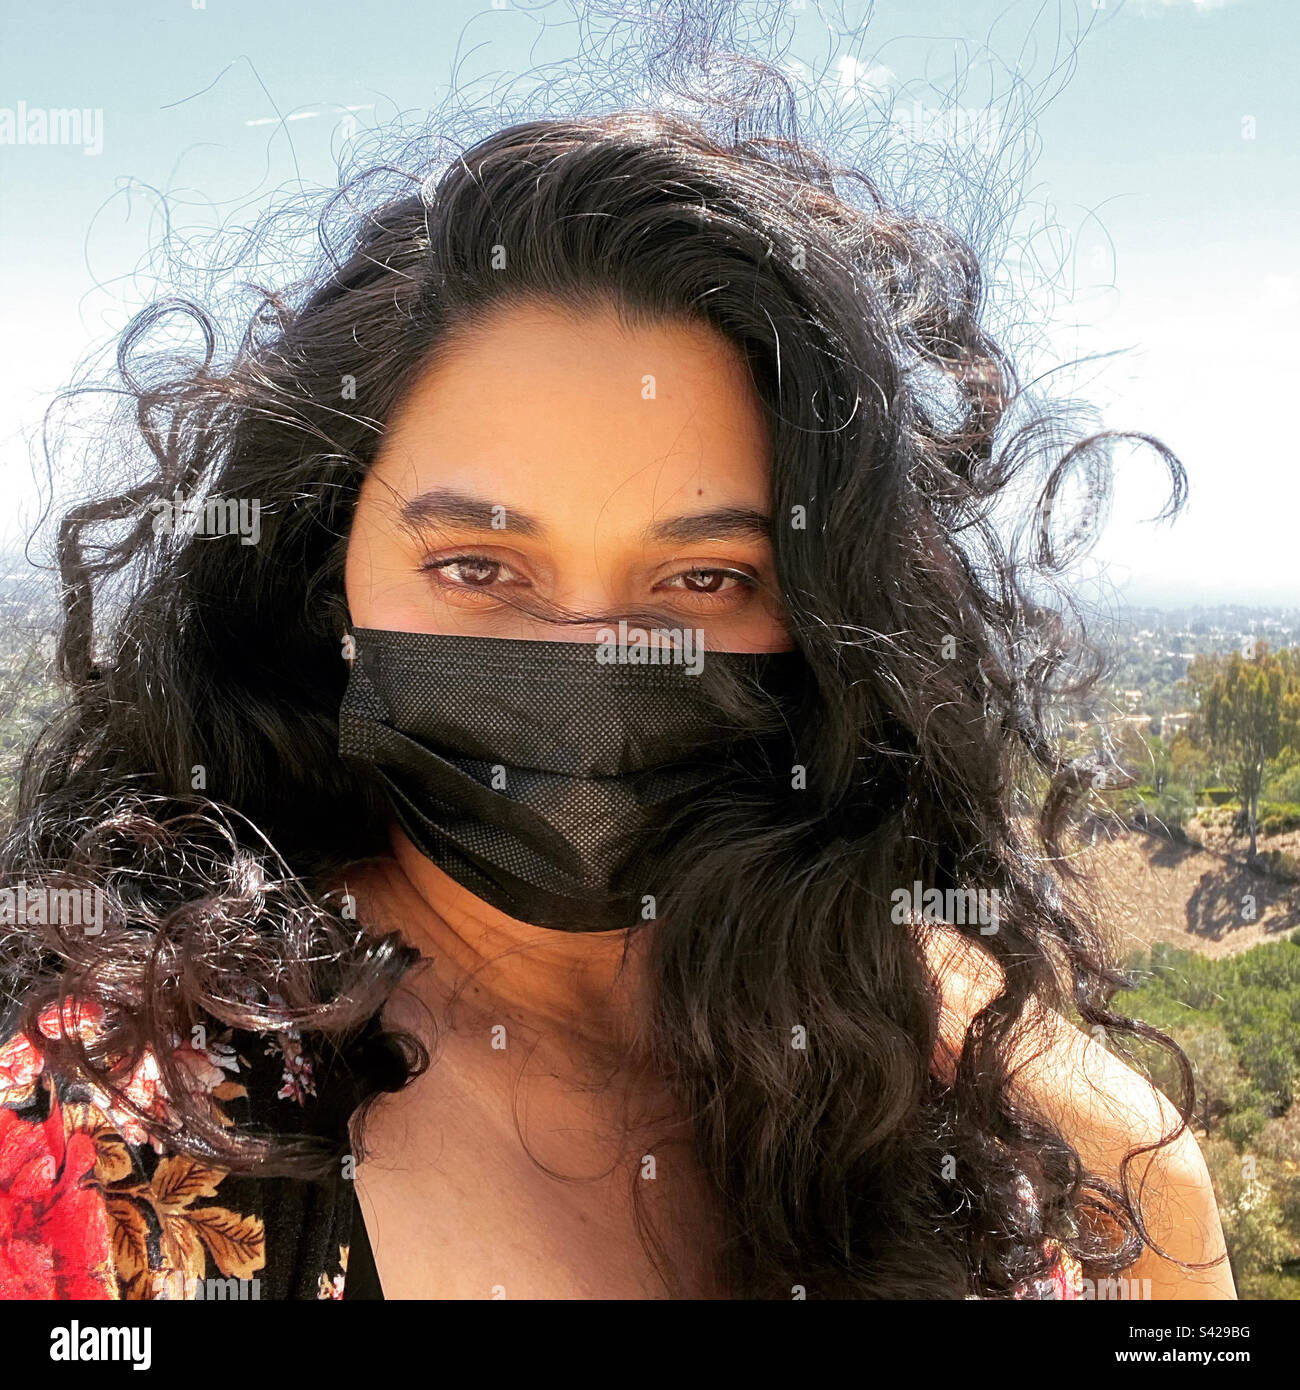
{"x":184,"y":1261}
{"x":129,"y":1236}
{"x":237,"y":1243}
{"x":177,"y":1181}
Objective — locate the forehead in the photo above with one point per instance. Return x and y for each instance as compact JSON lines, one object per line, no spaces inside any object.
{"x":575,"y":412}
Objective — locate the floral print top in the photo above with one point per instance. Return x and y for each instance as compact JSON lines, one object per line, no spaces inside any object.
{"x":93,"y":1207}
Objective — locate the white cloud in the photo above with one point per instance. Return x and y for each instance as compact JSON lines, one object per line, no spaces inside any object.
{"x":858,"y":82}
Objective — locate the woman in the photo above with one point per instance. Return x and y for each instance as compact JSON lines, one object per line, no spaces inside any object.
{"x":692,"y":1037}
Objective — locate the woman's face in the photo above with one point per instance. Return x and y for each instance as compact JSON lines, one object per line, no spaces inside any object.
{"x":564,"y":458}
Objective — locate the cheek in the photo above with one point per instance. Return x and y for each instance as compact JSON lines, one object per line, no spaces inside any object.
{"x":767,"y":632}
{"x":380,"y":587}
{"x":359,"y":570}
{"x":355,"y":584}
{"x":768,"y":626}
{"x":759,"y":627}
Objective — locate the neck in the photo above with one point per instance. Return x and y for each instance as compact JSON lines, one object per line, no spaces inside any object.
{"x":581,"y":994}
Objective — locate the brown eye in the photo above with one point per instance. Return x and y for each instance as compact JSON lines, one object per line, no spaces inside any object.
{"x":705,"y":581}
{"x":709,"y":589}
{"x":467,"y":571}
{"x":474,"y":572}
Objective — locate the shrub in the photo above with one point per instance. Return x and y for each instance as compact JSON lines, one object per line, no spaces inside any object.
{"x":1169,"y":810}
{"x":1278,"y":817}
{"x":1284,"y":785}
{"x":1279,"y":862}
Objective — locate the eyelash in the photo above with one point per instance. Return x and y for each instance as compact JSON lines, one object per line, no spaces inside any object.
{"x":434,"y":567}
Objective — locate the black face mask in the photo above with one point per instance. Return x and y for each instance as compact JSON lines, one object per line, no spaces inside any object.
{"x":533,"y":774}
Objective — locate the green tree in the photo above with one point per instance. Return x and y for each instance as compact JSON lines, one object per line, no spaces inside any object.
{"x":1250,"y":711}
{"x":1189,"y":764}
{"x":1254,"y":1222}
{"x":1238,"y":1020}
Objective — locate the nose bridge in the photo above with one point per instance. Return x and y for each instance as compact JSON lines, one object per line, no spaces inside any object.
{"x":596,"y":517}
{"x":557,"y":607}
{"x":591,"y":589}
{"x":594,"y":566}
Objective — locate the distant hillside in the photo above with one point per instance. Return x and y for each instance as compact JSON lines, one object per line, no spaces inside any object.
{"x":1158,"y":891}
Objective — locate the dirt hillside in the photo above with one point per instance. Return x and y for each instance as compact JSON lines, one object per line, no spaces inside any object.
{"x":1200,"y":898}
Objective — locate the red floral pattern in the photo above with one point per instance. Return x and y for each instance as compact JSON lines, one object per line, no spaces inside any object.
{"x":82,"y":1214}
{"x":54,"y":1235}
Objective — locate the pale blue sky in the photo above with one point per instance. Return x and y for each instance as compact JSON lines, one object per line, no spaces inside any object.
{"x":1166,"y":163}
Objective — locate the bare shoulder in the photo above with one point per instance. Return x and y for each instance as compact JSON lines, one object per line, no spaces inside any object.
{"x":1104,"y":1108}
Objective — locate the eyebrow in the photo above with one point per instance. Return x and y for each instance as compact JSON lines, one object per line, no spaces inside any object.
{"x":448,"y":507}
{"x":722,"y":523}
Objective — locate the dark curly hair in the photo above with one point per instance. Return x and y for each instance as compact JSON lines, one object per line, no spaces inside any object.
{"x":936,"y":671}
